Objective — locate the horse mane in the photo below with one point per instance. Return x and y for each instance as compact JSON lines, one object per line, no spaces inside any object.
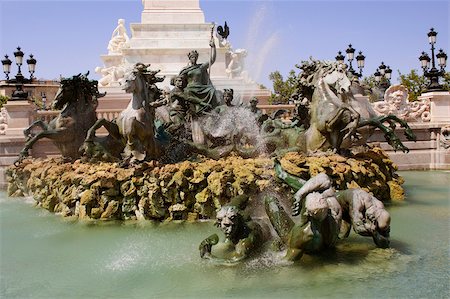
{"x":310,"y":71}
{"x":149,"y":77}
{"x":148,"y":74}
{"x":81,"y":83}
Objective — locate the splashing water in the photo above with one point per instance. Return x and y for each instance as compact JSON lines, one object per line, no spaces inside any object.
{"x":260,"y":41}
{"x":162,"y":261}
{"x":233,"y":123}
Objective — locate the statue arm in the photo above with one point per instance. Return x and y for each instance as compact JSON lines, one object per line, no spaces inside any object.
{"x":125,"y":34}
{"x":246,"y":245}
{"x":280,"y":124}
{"x":358,"y":220}
{"x":213,"y":46}
{"x":114,"y":33}
{"x":196,"y":101}
{"x":206,"y":245}
{"x":183,"y":72}
{"x":320,"y":182}
{"x":336,"y":210}
{"x":213,"y":56}
{"x":159,"y":103}
{"x":293,"y":254}
{"x":243,"y":248}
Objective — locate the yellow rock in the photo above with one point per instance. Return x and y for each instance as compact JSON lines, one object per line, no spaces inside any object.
{"x":203,"y":196}
{"x":396,"y":191}
{"x":87,"y":197}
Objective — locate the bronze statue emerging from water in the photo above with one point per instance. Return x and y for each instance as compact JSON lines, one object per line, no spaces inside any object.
{"x":358,"y":207}
{"x":319,"y":219}
{"x":242,"y":235}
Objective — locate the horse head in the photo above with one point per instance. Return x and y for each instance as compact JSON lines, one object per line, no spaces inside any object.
{"x":134,"y":80}
{"x":66,"y":92}
{"x":141,"y":82}
{"x":337,"y":79}
{"x":77,"y":90}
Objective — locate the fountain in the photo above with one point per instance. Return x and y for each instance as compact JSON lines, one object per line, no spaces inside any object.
{"x":216,"y":161}
{"x":141,"y":198}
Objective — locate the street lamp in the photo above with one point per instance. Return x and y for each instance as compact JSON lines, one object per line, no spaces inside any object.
{"x":433,"y":74}
{"x":350,"y":56}
{"x":19,"y":80}
{"x":383,"y":75}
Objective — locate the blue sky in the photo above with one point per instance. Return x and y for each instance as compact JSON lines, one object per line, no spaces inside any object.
{"x":68,"y":37}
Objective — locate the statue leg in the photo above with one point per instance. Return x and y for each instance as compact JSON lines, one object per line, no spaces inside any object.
{"x":103,"y":147}
{"x":408,"y":131}
{"x":39,"y":123}
{"x":197,"y":133}
{"x":29,"y":144}
{"x":111,"y":127}
{"x":213,"y":153}
{"x":389,"y":134}
{"x":247,"y":153}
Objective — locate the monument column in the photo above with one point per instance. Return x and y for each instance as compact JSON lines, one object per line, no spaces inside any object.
{"x":172,"y":12}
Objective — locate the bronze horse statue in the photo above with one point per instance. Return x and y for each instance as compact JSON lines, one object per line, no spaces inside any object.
{"x":133,"y":132}
{"x":77,"y":99}
{"x":338,"y":119}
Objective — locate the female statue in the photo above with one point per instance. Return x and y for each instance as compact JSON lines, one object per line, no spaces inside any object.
{"x":199,"y":91}
{"x":119,"y":38}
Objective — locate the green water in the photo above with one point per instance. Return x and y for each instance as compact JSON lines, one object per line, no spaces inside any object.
{"x":45,"y":256}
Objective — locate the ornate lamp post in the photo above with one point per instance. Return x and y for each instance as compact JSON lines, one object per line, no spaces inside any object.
{"x":350,"y":56}
{"x":383,"y":76}
{"x":433,"y":74}
{"x":19,"y":80}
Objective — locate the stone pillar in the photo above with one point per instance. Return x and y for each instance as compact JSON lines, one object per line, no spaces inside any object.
{"x":19,"y":115}
{"x":172,"y":12}
{"x":440,"y":105}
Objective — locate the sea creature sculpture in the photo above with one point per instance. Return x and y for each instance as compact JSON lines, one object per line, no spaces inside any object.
{"x":319,"y":221}
{"x":242,"y":235}
{"x":358,"y":207}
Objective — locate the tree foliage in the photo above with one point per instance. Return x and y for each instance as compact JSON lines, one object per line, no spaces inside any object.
{"x":415,"y":83}
{"x":282,"y":90}
{"x":446,"y":80}
{"x":369,"y":81}
{"x":3,"y":100}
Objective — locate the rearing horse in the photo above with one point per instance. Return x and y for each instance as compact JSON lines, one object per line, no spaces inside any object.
{"x":332,"y":118}
{"x":336,"y":116}
{"x":134,"y":127}
{"x":77,"y":100}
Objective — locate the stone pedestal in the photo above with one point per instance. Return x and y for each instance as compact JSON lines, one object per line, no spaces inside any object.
{"x":440,"y":105}
{"x":172,"y":12}
{"x":168,"y":31}
{"x":19,"y":115}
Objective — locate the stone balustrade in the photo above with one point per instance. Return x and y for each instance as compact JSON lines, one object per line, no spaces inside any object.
{"x":48,"y":115}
